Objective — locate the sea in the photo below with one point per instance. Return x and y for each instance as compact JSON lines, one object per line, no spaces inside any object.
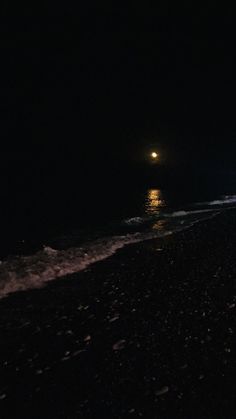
{"x":48,"y":242}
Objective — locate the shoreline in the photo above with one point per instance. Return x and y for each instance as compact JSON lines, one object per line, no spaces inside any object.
{"x":35,"y":271}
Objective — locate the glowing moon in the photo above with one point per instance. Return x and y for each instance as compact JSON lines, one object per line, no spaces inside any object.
{"x":154,"y":155}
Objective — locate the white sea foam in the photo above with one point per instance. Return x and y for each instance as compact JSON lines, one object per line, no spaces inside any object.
{"x":180,"y":213}
{"x":183,"y":213}
{"x":28,"y":272}
{"x":135,"y":220}
{"x":226,"y":199}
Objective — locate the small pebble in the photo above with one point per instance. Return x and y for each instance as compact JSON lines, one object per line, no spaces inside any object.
{"x":113,"y":319}
{"x":119,"y":345}
{"x":65,"y":358}
{"x":162,"y":391}
{"x":38,"y":372}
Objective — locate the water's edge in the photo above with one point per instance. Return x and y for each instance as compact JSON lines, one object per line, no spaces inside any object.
{"x":32,"y":272}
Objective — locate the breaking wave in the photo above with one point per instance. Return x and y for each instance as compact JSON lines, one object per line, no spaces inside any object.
{"x":181,"y":213}
{"x":135,"y":220}
{"x":27,"y":272}
{"x":227,"y":199}
{"x":186,"y":213}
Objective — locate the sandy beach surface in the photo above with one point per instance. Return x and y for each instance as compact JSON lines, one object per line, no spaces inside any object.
{"x":149,"y":332}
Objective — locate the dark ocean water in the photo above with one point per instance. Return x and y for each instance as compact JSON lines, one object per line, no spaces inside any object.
{"x":39,"y":209}
{"x":53,"y":233}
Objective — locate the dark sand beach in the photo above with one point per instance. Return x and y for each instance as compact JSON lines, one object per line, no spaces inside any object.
{"x":149,"y":332}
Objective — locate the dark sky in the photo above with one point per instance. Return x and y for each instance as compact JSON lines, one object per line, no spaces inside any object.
{"x":82,"y":83}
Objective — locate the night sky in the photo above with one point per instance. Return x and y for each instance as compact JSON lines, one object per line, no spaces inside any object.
{"x":91,"y":88}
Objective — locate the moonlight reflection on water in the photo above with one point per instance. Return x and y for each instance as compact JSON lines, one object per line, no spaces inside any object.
{"x":154,"y":201}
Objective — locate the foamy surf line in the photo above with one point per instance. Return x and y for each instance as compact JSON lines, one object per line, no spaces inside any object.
{"x":227,"y":199}
{"x":183,"y":213}
{"x":161,"y":215}
{"x":32,"y":272}
{"x":35,"y":271}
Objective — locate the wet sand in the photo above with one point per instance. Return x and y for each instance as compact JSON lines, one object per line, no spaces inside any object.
{"x":148,"y":333}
